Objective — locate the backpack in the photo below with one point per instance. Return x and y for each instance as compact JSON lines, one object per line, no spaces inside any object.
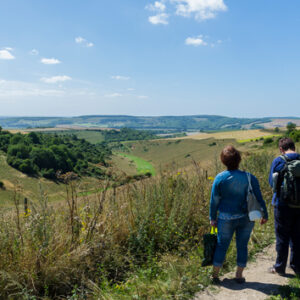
{"x":290,"y":178}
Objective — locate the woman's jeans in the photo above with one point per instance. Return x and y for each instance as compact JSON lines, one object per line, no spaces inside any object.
{"x":242,"y":228}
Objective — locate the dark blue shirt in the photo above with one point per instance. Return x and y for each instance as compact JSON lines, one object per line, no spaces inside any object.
{"x":276,"y":166}
{"x":229,"y":195}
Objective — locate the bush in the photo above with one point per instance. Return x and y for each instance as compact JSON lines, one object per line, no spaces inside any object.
{"x":26,"y":166}
{"x":48,"y":173}
{"x":268,"y":140}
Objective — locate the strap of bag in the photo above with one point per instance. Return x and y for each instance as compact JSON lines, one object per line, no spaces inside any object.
{"x":285,"y":158}
{"x":249,"y":182}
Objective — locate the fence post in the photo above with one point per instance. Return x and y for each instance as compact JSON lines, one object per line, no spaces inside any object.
{"x":26,"y":206}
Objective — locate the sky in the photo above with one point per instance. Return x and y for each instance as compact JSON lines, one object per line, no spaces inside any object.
{"x":136,"y":57}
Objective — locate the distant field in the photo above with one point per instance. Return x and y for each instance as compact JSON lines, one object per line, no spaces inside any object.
{"x":238,"y":135}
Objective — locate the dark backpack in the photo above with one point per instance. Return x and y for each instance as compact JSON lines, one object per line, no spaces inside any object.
{"x":290,"y":178}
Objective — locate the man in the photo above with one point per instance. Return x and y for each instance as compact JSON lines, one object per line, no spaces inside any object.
{"x":287,"y":217}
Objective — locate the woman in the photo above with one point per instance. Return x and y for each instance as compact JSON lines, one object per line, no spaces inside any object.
{"x":229,"y":198}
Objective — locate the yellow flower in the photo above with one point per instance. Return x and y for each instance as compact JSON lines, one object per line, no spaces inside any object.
{"x":211,"y":178}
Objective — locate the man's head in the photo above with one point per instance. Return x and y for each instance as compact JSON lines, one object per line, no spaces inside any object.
{"x":231,"y":157}
{"x":286,"y":144}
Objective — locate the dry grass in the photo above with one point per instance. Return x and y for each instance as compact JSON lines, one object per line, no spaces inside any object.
{"x":100,"y":244}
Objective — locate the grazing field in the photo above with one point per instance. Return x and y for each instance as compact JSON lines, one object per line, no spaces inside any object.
{"x":142,"y":166}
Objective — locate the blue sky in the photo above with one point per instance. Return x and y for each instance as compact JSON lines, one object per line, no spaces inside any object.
{"x":166,"y":57}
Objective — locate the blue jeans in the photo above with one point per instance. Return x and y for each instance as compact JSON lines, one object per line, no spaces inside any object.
{"x":242,"y":228}
{"x":287,"y":229}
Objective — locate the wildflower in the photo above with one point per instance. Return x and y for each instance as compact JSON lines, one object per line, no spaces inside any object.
{"x":211,"y":178}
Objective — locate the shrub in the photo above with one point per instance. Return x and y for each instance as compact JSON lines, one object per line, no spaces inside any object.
{"x":268,"y":140}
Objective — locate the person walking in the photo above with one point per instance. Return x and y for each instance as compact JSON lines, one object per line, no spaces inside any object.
{"x":286,"y":216}
{"x":229,"y":211}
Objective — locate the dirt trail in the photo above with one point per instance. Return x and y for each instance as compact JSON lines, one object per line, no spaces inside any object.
{"x":259,"y":283}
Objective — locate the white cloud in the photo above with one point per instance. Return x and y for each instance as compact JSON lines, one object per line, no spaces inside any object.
{"x":55,"y":79}
{"x":113,"y":95}
{"x":79,"y":40}
{"x":196,"y":41}
{"x":34,"y":52}
{"x":201,"y":9}
{"x":6,"y":54}
{"x":119,"y":77}
{"x":157,"y":6}
{"x":161,"y":18}
{"x":50,"y":61}
{"x":84,"y":42}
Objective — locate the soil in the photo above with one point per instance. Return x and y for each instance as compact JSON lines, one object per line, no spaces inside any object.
{"x":259,"y":285}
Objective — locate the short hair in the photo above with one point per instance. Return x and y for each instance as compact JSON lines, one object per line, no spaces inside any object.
{"x":231,"y":157}
{"x":287,"y":144}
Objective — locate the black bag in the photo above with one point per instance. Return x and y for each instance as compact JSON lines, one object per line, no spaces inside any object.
{"x":210,"y":243}
{"x":290,"y":182}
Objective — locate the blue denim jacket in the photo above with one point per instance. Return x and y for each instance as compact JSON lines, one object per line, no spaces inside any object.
{"x":229,"y":195}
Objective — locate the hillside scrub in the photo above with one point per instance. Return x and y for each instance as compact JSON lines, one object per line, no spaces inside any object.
{"x":132,"y":242}
{"x":48,"y":155}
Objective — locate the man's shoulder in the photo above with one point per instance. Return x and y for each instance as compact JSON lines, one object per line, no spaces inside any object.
{"x":278,"y":159}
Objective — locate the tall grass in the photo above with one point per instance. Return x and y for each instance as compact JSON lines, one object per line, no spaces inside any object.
{"x":142,"y":240}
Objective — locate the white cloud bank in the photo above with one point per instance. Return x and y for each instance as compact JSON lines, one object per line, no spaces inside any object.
{"x":113,"y":95}
{"x":50,"y":61}
{"x":56,"y":79}
{"x":9,"y":88}
{"x":119,"y":77}
{"x":6,"y":54}
{"x":83,"y":41}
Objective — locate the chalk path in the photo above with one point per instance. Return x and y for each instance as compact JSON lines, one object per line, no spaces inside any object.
{"x":259,"y":283}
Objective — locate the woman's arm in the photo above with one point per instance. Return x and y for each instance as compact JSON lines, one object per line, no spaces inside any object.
{"x":258,"y":195}
{"x":214,"y":199}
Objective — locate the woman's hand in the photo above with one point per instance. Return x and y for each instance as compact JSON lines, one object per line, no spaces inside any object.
{"x":213,"y":223}
{"x":263,"y":221}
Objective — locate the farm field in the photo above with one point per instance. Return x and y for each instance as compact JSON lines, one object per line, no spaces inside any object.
{"x":239,"y":135}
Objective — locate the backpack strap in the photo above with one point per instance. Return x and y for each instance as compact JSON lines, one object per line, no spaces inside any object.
{"x":285,"y":158}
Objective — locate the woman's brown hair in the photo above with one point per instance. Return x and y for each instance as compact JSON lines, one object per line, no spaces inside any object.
{"x":231,"y":157}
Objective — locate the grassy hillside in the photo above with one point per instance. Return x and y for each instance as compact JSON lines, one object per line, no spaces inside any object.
{"x":174,"y":154}
{"x":31,"y":187}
